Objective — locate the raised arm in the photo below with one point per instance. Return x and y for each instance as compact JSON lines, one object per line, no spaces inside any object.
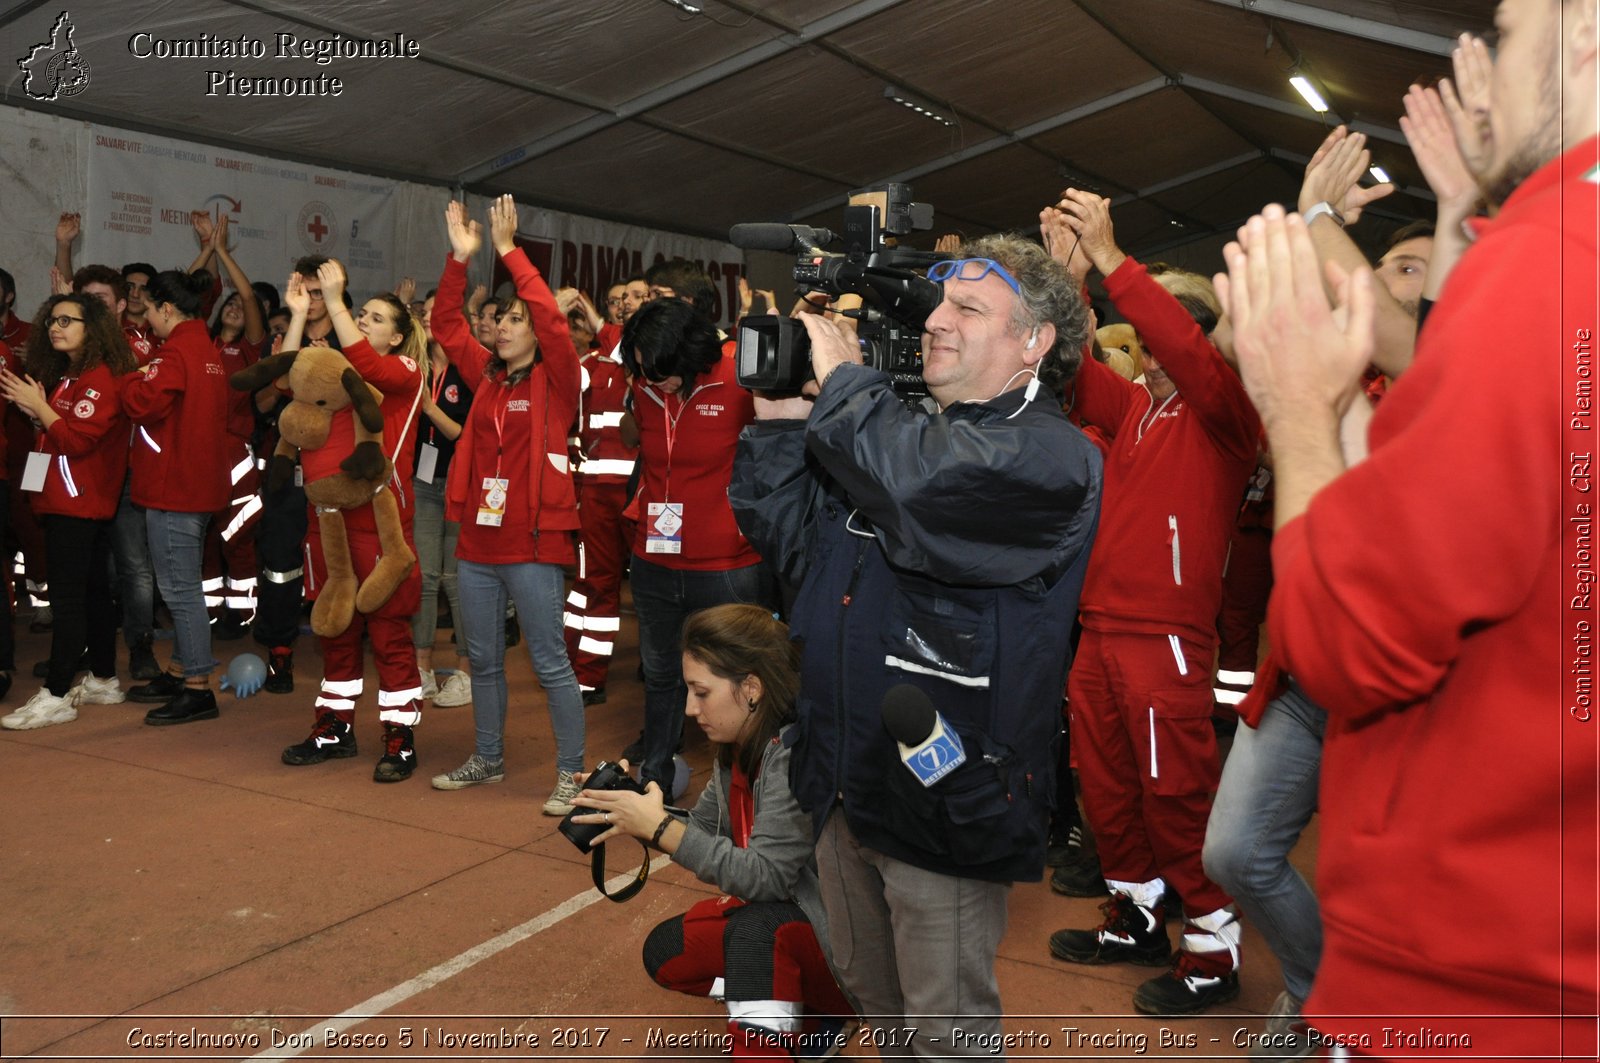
{"x":1333,"y":177}
{"x":204,"y":229}
{"x":67,"y":228}
{"x":450,"y":327}
{"x":1207,"y":383}
{"x":255,"y":328}
{"x":549,"y":323}
{"x":392,"y":376}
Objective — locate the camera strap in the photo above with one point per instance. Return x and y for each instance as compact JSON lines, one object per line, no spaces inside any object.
{"x":597,"y":868}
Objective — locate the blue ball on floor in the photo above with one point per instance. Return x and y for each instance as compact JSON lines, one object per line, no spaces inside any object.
{"x":680,"y":777}
{"x":246,"y":674}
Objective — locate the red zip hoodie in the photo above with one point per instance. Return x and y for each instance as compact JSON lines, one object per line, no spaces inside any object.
{"x":1175,"y":473}
{"x":180,"y":407}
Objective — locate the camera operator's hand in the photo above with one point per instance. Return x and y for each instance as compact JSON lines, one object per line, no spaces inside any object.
{"x":832,"y":345}
{"x":781,"y":407}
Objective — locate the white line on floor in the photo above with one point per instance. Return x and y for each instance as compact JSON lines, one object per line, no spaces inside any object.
{"x":313,"y":1037}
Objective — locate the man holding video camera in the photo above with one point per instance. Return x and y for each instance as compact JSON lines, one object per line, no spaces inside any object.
{"x":938,"y":555}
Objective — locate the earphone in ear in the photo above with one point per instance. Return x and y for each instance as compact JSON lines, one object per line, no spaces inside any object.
{"x":1033,"y":339}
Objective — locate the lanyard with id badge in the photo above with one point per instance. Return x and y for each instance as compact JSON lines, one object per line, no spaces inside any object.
{"x":492,"y":510}
{"x":664,"y":519}
{"x":428,"y":453}
{"x":38,"y":466}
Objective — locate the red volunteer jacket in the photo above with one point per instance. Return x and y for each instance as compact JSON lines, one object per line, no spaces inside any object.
{"x":1173,"y":476}
{"x":541,"y":475}
{"x":179,"y":406}
{"x":87,"y":447}
{"x":686,"y":442}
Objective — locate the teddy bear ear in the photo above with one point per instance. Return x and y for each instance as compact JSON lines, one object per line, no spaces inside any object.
{"x":264,"y":372}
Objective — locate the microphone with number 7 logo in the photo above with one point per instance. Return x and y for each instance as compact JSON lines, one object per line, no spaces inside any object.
{"x":928,"y":747}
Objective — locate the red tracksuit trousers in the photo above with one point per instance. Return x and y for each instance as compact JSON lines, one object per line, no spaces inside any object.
{"x":1147,"y":755}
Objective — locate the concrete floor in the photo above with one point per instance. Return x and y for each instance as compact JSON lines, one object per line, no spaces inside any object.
{"x":169,"y":882}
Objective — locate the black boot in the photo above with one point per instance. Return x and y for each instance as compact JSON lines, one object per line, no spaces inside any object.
{"x":163,"y":688}
{"x":142,"y":662}
{"x":280,"y":671}
{"x":1130,"y":933}
{"x":187,"y":707}
{"x":399,"y":758}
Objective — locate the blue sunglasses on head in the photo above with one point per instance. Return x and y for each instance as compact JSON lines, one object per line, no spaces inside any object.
{"x":972,"y":269}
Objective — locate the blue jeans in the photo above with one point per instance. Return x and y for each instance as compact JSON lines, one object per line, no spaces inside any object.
{"x":1267,"y":795}
{"x":664,"y":598}
{"x":538,"y":591}
{"x":130,"y":545}
{"x":177,"y":541}
{"x":435,"y":540}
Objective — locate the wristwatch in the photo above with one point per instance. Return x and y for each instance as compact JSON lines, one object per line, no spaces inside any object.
{"x":1318,"y":209}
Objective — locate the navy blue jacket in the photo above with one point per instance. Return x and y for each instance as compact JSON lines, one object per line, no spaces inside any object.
{"x":945,"y":550}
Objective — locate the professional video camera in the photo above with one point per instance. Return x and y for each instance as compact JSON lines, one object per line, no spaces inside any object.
{"x":775,"y":352}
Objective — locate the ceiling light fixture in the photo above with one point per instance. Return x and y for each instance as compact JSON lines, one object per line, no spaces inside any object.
{"x":682,"y":6}
{"x":1309,"y":93}
{"x":918,"y":104}
{"x":1379,"y":174}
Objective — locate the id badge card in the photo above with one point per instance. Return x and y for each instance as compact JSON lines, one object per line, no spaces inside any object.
{"x":664,"y":532}
{"x":427,"y":462}
{"x":34,"y":472}
{"x":492,"y":510}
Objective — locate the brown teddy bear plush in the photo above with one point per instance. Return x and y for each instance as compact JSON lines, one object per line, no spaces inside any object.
{"x":1124,"y":354}
{"x":323,"y":383}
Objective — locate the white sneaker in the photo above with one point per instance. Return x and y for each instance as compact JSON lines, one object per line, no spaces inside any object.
{"x":560,"y":800}
{"x":430,"y":686}
{"x":96,"y":691}
{"x":44,"y":709}
{"x":455,"y":690}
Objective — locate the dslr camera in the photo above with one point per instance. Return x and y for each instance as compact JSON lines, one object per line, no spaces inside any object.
{"x":606,"y":776}
{"x":774,"y":353}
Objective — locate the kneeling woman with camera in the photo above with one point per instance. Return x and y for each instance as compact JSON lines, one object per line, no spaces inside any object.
{"x":758,"y":947}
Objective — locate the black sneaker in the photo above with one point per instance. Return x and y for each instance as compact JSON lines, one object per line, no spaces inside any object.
{"x":399,"y":758}
{"x":1130,"y":934}
{"x":1187,"y":989}
{"x":280,"y":671}
{"x":190,"y":705}
{"x":597,"y":696}
{"x":330,"y":738}
{"x":142,"y":663}
{"x":162,"y":689}
{"x":1078,"y":872}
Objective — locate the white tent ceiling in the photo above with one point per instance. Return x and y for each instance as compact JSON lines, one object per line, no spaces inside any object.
{"x":761,"y":110}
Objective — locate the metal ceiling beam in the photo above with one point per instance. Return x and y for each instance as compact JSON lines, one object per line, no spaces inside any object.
{"x":1192,"y":175}
{"x":1293,"y":110}
{"x":1349,"y":25}
{"x":972,"y":151}
{"x":459,"y":66}
{"x":682,"y":87}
